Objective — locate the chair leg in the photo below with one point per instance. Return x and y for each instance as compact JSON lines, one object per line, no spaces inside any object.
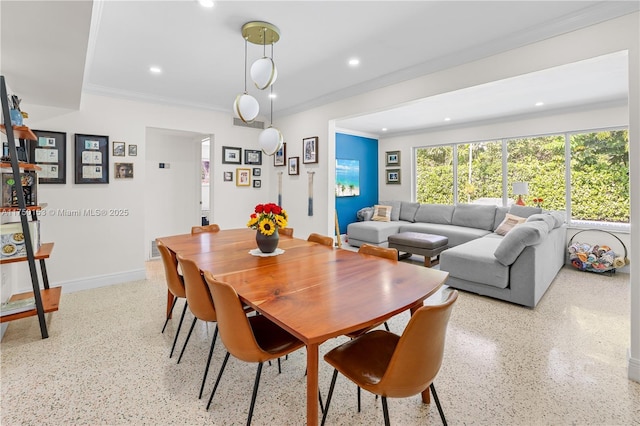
{"x":193,"y":324}
{"x":386,"y":326}
{"x":358,"y":399}
{"x":279,"y":367}
{"x":255,"y":393}
{"x":329,"y":395}
{"x":435,"y":397}
{"x":320,"y":400}
{"x":175,"y":339}
{"x":206,"y":370}
{"x":213,"y":392}
{"x":385,"y":411}
{"x":175,"y":299}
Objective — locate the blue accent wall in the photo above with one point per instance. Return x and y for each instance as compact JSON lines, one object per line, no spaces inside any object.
{"x":365,"y":150}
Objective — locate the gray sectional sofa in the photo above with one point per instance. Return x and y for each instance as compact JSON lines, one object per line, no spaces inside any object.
{"x":517,"y":267}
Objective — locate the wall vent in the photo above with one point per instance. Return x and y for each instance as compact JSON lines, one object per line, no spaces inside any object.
{"x":253,"y":124}
{"x":154,"y":249}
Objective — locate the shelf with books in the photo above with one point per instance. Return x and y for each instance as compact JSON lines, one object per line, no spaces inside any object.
{"x":50,"y":303}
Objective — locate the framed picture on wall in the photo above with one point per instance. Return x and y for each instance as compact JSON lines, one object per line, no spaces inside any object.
{"x":393,"y":176}
{"x":231,"y":155}
{"x":310,"y":150}
{"x":243,"y":177}
{"x":253,"y":157}
{"x":123,"y":170}
{"x":91,"y":159}
{"x":49,"y":152}
{"x":393,"y":158}
{"x":133,"y":150}
{"x":118,"y":149}
{"x":279,"y":159}
{"x":228,"y":177}
{"x":257,"y":183}
{"x":347,"y":178}
{"x":294,"y":169}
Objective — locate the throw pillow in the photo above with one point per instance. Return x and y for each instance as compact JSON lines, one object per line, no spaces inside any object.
{"x":508,"y":223}
{"x":381,"y":213}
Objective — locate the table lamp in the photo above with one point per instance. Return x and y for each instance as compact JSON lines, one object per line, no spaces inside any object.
{"x":520,"y":189}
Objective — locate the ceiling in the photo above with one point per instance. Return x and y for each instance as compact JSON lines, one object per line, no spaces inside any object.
{"x":52,"y":51}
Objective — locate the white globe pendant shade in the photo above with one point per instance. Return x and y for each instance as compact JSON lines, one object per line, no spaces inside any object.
{"x":264,"y":72}
{"x":246,"y":107}
{"x":270,"y":140}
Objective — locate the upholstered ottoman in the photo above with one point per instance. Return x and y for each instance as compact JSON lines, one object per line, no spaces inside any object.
{"x":427,"y":245}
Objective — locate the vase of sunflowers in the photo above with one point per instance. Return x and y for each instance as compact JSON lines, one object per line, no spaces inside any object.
{"x":266,"y":219}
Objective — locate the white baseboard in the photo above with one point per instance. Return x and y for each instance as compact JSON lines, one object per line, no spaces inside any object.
{"x":101,"y":281}
{"x":634,"y":369}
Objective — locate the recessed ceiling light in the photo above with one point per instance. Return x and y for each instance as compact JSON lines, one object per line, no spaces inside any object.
{"x":539,"y":103}
{"x":155,"y":70}
{"x":447,"y":119}
{"x":354,"y":62}
{"x":384,"y":129}
{"x":206,"y":3}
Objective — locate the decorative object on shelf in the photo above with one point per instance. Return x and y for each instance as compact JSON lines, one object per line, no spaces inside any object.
{"x":393,"y":158}
{"x":123,"y":170}
{"x":280,"y":157}
{"x":92,"y":159}
{"x":520,"y":189}
{"x":594,"y":257}
{"x":243,"y":177}
{"x":231,"y":155}
{"x":49,"y":152}
{"x":119,"y":149}
{"x":310,"y":150}
{"x":538,"y":201}
{"x":29,"y":185}
{"x":393,"y":176}
{"x":266,"y":219}
{"x":253,"y":157}
{"x":293,"y":165}
{"x":133,"y":150}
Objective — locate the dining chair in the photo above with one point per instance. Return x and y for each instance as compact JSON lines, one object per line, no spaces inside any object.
{"x":286,"y":231}
{"x":393,"y":366}
{"x":205,"y":228}
{"x":250,"y":339}
{"x":201,"y":305}
{"x":175,"y":284}
{"x":320,"y":239}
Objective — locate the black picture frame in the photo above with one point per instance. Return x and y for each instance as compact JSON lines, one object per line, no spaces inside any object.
{"x":49,"y":152}
{"x":257,"y":183}
{"x":227,"y":177}
{"x":280,"y":157}
{"x":231,"y":155}
{"x":310,"y":150}
{"x":257,"y":171}
{"x":91,"y":159}
{"x":293,"y":165}
{"x":253,"y":157}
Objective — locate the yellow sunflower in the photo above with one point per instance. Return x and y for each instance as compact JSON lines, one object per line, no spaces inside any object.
{"x":281,"y":222}
{"x":267,"y":227}
{"x":252,"y":222}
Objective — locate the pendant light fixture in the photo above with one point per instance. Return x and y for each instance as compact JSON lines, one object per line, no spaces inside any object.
{"x":264,"y":73}
{"x":246,"y":107}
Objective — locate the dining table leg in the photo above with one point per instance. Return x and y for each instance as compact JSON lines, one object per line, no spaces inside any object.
{"x":312,"y":384}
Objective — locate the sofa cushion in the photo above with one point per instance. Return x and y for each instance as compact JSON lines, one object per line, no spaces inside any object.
{"x":373,"y":232}
{"x":434,"y":213}
{"x":381,"y":213}
{"x":395,"y":208}
{"x":474,"y":216}
{"x":558,"y":217}
{"x":408,"y":211}
{"x":524,"y":211}
{"x":541,"y":217}
{"x":475,"y":262}
{"x":521,"y":236}
{"x":508,"y":223}
{"x":501,"y":213}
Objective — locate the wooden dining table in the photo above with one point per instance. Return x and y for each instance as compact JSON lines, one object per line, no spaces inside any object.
{"x":313,"y":291}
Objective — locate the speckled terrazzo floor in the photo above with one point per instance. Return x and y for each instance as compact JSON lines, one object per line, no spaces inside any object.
{"x":106,"y":363}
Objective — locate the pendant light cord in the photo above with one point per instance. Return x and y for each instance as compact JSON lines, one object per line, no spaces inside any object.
{"x":245,"y":65}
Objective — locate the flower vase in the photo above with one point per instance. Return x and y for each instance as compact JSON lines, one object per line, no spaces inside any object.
{"x":267,"y":243}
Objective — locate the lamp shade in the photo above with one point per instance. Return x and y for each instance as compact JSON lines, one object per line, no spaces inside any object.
{"x":246,"y":107}
{"x":270,"y":140}
{"x":521,"y":188}
{"x":264,"y":72}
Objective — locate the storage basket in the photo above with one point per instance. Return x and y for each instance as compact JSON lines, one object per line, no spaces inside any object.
{"x":594,"y":257}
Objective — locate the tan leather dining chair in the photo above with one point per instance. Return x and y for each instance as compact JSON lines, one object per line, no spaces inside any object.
{"x":286,"y":231}
{"x":201,"y":305}
{"x":175,"y":284}
{"x":320,"y":239}
{"x":205,"y":228}
{"x":385,"y":252}
{"x":396,"y":366}
{"x":250,"y":339}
